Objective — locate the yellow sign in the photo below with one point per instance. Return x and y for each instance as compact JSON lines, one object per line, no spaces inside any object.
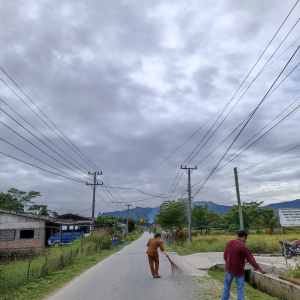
{"x":143,"y":220}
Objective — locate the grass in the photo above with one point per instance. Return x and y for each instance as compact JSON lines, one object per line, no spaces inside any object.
{"x":250,"y":293}
{"x":257,"y":243}
{"x":39,"y":288}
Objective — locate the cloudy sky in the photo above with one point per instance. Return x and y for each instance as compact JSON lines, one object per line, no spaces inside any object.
{"x":137,"y":88}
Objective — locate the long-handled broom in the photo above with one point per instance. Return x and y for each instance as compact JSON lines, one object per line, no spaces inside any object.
{"x":175,"y":268}
{"x":293,"y":280}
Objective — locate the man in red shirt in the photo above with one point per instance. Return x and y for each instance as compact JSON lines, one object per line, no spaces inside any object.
{"x":235,"y":254}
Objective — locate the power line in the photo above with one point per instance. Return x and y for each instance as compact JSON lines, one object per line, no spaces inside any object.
{"x":41,"y":168}
{"x":42,"y":134}
{"x":37,"y":158}
{"x":251,"y":115}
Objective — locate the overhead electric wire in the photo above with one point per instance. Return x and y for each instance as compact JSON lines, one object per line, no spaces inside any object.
{"x":44,"y":136}
{"x":248,"y":116}
{"x":263,"y":99}
{"x":40,"y":167}
{"x":37,"y":158}
{"x":86,"y":159}
{"x":42,"y":143}
{"x":39,"y":147}
{"x":244,"y":92}
{"x":252,"y":166}
{"x":230,"y":159}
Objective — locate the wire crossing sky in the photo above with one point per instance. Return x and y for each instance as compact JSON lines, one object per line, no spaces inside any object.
{"x":136,"y":88}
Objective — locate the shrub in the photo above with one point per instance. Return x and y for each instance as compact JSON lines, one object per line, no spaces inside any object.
{"x":194,"y":232}
{"x":181,"y":236}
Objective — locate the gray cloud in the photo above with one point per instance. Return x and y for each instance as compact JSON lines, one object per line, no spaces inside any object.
{"x":129,"y":81}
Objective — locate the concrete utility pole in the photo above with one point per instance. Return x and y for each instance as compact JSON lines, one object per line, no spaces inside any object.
{"x":238,"y":198}
{"x":137,"y":216}
{"x":128,"y":205}
{"x":95,"y":174}
{"x":190,"y":199}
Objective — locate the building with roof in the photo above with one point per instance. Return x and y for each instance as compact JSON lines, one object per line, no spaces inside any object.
{"x":20,"y":230}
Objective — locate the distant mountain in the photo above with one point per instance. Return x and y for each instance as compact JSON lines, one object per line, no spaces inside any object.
{"x":139,"y":212}
{"x":286,"y":204}
{"x":220,"y":209}
{"x":149,"y":213}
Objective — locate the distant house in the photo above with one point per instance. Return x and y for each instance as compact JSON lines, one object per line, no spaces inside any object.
{"x":20,"y":230}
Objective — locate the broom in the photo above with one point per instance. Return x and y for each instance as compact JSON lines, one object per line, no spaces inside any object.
{"x":175,"y":268}
{"x":293,"y":280}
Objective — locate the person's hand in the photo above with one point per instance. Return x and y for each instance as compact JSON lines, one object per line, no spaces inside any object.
{"x":262,"y":271}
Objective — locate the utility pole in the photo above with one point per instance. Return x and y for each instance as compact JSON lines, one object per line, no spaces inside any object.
{"x":138,"y":221}
{"x":128,"y":205}
{"x":238,"y":198}
{"x":95,"y":174}
{"x":190,"y":198}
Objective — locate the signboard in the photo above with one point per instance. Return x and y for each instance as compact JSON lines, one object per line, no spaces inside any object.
{"x":289,"y":217}
{"x":143,"y":220}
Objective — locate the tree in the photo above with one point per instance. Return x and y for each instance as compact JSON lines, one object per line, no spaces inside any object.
{"x":131,"y":225}
{"x":41,"y":210}
{"x":199,"y":213}
{"x":172,"y":214}
{"x":203,"y":218}
{"x":253,"y":216}
{"x":8,"y":202}
{"x":24,"y":197}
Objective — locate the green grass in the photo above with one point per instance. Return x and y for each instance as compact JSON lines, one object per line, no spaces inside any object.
{"x":257,"y":243}
{"x":39,"y":288}
{"x":250,"y":293}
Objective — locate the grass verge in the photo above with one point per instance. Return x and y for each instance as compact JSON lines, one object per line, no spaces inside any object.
{"x":40,"y":288}
{"x":257,"y":243}
{"x":250,"y":293}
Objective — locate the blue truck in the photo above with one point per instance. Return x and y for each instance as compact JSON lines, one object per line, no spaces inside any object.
{"x":65,"y":237}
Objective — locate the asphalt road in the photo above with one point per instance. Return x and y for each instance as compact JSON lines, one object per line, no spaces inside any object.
{"x":126,"y":275}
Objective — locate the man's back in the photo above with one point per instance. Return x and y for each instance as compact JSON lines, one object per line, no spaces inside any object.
{"x":235,"y":254}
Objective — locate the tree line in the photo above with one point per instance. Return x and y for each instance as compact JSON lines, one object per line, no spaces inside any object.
{"x":21,"y":201}
{"x":174,"y":214}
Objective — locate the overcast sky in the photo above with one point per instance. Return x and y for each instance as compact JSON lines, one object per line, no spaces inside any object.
{"x":143,"y":87}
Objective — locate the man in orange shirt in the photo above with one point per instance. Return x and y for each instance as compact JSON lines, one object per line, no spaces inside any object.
{"x":152,"y":252}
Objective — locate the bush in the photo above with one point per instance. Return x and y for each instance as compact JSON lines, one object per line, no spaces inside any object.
{"x":101,"y":241}
{"x":181,"y":236}
{"x":194,"y":232}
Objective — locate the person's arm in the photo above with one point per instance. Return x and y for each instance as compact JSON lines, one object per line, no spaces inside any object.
{"x":251,"y":260}
{"x":225,"y":253}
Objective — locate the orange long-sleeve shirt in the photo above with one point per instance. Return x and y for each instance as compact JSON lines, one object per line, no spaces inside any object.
{"x":153,"y":245}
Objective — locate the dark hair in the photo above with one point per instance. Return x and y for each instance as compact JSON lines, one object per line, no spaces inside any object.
{"x":242,"y":233}
{"x":157,"y":235}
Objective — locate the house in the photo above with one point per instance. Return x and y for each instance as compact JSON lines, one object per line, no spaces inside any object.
{"x":20,"y":230}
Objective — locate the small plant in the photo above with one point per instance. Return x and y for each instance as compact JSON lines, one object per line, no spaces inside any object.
{"x":181,"y":236}
{"x":294,"y":271}
{"x":194,"y":232}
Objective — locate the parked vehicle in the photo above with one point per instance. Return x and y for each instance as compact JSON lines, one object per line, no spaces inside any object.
{"x":65,"y":237}
{"x":291,"y":249}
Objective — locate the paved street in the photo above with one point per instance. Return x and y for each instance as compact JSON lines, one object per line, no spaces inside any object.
{"x":126,"y":275}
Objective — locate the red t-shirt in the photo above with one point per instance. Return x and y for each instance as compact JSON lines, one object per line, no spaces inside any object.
{"x":235,"y":254}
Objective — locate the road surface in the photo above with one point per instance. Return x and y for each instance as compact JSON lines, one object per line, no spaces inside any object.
{"x":126,"y":275}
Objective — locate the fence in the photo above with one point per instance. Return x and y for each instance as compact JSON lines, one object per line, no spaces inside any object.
{"x":20,"y":273}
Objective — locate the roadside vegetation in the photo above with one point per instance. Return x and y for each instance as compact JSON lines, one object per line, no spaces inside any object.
{"x":211,"y":231}
{"x":35,"y":277}
{"x":257,"y":243}
{"x":251,"y":293}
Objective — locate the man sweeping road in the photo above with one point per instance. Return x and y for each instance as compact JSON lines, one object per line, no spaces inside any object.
{"x":235,"y":254}
{"x":153,"y":257}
